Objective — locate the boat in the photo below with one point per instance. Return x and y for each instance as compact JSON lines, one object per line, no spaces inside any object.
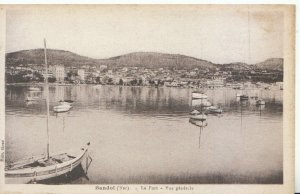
{"x":200,"y":117}
{"x":34,"y":169}
{"x":194,"y":112}
{"x":40,"y":168}
{"x":198,"y":123}
{"x":34,"y":89}
{"x":199,"y":95}
{"x":213,"y":109}
{"x":65,"y":107}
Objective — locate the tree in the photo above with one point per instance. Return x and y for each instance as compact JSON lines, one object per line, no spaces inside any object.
{"x":121,"y":82}
{"x":51,"y":79}
{"x":140,"y":82}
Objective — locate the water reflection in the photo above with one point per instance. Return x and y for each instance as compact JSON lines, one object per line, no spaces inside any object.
{"x":136,"y":132}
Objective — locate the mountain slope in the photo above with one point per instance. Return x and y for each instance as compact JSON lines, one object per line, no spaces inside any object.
{"x":139,"y":59}
{"x":157,"y":60}
{"x":271,"y":64}
{"x":36,"y":56}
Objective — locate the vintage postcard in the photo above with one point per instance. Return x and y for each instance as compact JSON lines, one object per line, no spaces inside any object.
{"x":147,"y":98}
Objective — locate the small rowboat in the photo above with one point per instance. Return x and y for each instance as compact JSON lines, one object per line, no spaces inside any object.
{"x":62,"y":108}
{"x":199,"y":95}
{"x":200,"y":117}
{"x":40,"y":168}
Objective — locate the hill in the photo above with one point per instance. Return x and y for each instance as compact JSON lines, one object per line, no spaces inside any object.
{"x":139,"y":59}
{"x":36,"y":56}
{"x":157,"y":60}
{"x":270,"y":64}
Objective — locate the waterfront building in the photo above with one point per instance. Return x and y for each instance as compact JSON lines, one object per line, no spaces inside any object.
{"x":215,"y":83}
{"x":81,"y":74}
{"x":59,"y":73}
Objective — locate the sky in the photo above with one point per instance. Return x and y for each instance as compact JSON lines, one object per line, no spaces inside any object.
{"x":220,"y":34}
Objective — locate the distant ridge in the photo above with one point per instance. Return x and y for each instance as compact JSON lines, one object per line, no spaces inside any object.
{"x":139,"y":59}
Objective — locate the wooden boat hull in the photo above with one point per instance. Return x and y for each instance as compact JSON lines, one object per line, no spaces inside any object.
{"x":30,"y":175}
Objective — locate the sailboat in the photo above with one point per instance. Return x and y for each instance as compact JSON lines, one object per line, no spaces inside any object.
{"x":34,"y":169}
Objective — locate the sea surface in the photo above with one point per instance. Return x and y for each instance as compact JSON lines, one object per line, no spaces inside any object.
{"x":143,"y":134}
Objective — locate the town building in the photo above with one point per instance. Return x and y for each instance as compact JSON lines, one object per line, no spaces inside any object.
{"x":59,"y":73}
{"x":81,"y":74}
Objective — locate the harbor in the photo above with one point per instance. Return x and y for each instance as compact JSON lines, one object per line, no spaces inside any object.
{"x":127,"y":127}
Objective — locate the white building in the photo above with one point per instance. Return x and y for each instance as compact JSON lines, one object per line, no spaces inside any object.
{"x":215,"y":83}
{"x":59,"y":73}
{"x":81,"y":74}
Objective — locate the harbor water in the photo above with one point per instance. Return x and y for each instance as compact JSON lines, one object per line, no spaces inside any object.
{"x":143,"y":134}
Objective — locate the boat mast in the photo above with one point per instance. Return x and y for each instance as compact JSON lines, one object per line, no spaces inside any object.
{"x":47,"y":97}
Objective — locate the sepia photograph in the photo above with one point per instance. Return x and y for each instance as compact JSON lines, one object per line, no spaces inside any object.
{"x":147,"y":94}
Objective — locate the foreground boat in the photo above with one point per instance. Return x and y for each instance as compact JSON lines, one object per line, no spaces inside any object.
{"x":35,"y":169}
{"x":50,"y":165}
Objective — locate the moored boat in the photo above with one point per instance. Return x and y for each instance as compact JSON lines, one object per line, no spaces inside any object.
{"x":48,"y":166}
{"x":199,"y":95}
{"x":200,"y":117}
{"x":194,"y":112}
{"x":35,"y":169}
{"x":65,"y":107}
{"x":198,"y":123}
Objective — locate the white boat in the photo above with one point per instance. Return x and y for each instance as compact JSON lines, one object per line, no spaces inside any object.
{"x":34,"y":89}
{"x":199,"y":95}
{"x":65,"y":107}
{"x":48,"y":166}
{"x":35,"y":169}
{"x":238,"y":95}
{"x":198,"y":123}
{"x":194,"y":112}
{"x":200,"y":117}
{"x":213,"y":109}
